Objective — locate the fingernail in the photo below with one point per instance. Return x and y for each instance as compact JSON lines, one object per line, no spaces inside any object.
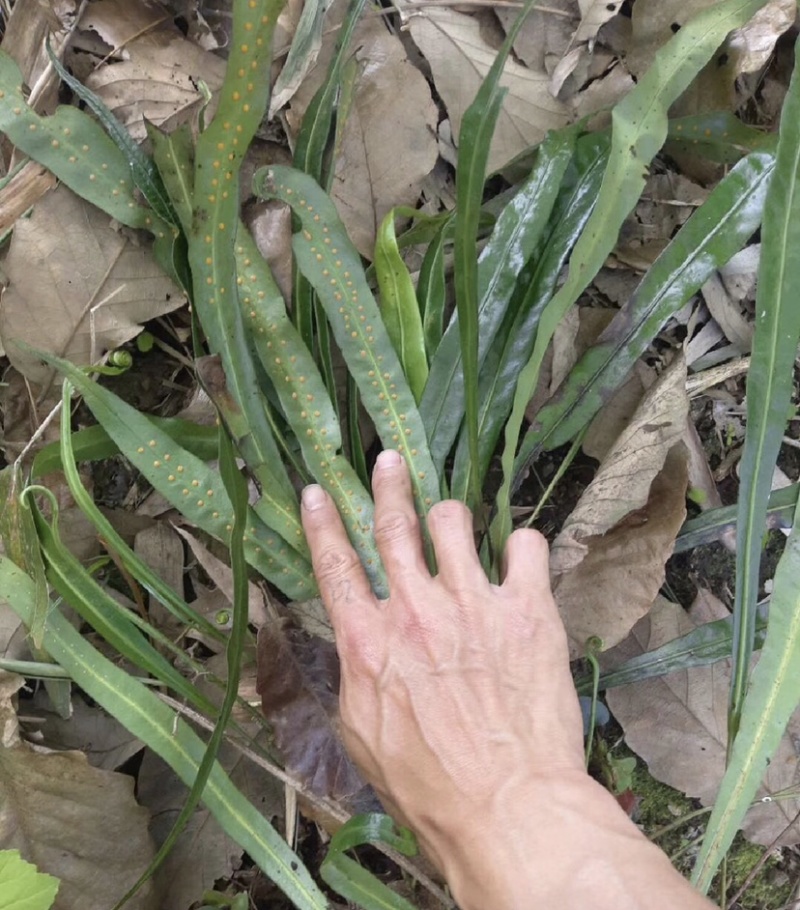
{"x":388,"y":458}
{"x":313,"y":497}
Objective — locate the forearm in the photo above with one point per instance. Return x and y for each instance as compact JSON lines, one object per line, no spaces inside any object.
{"x":571,"y":850}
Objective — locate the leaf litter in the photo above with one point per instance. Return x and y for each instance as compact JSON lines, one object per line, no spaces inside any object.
{"x":574,"y":59}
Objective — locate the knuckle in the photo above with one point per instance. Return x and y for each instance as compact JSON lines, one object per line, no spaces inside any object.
{"x":393,"y":526}
{"x":334,"y":564}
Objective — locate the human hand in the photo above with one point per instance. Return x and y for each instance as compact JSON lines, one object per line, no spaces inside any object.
{"x":456,"y":695}
{"x":458,"y":706}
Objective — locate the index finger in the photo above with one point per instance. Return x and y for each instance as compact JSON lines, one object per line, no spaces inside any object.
{"x":341,"y":577}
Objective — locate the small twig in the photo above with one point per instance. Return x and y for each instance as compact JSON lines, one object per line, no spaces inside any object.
{"x":761,"y":860}
{"x":699,"y":382}
{"x":38,"y":432}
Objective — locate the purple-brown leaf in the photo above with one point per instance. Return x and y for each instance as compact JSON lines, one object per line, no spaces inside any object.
{"x":298,"y":681}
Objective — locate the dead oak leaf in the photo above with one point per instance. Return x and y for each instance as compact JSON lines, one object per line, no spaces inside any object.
{"x":388,"y":143}
{"x":78,"y":823}
{"x":158,"y":83}
{"x":460,"y":58}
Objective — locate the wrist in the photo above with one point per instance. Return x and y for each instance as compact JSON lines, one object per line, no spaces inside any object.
{"x":551,"y":843}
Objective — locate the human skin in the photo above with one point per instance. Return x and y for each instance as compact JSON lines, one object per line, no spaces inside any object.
{"x":458,"y":706}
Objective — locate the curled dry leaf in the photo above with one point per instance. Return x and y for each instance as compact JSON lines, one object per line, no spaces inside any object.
{"x":678,"y":724}
{"x":607,"y":563}
{"x":546,"y":35}
{"x":76,"y":288}
{"x":298,"y":681}
{"x":754,"y":44}
{"x":460,"y":58}
{"x":158,"y":81}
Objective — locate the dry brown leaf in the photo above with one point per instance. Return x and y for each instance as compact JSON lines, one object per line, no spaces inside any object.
{"x":77,"y":288}
{"x":312,"y":617}
{"x":594,"y":14}
{"x":460,"y":58}
{"x":119,"y":22}
{"x":607,"y":563}
{"x":728,"y":314}
{"x":546,"y":34}
{"x":617,"y":412}
{"x":298,"y":681}
{"x":160,"y":548}
{"x":73,"y":821}
{"x":754,"y":44}
{"x":102,"y":738}
{"x":388,"y":144}
{"x":157,"y":82}
{"x":574,"y":334}
{"x":678,"y":724}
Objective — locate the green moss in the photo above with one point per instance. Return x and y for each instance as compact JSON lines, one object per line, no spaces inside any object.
{"x":660,"y":805}
{"x":771,"y":888}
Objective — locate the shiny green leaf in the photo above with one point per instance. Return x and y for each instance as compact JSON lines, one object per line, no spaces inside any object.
{"x":639,"y":128}
{"x":717,"y":230}
{"x":399,"y":307}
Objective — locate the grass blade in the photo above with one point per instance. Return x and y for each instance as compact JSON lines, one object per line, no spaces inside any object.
{"x":432,"y":289}
{"x":155,"y":585}
{"x":514,"y":239}
{"x":122,"y":629}
{"x":770,"y":701}
{"x":708,"y":527}
{"x":236,"y":487}
{"x":149,"y":719}
{"x":702,"y":646}
{"x":717,"y":230}
{"x":352,"y":880}
{"x":20,"y":543}
{"x":769,"y":381}
{"x":639,"y":128}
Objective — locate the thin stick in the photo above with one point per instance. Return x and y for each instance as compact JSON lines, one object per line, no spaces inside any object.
{"x":761,"y":860}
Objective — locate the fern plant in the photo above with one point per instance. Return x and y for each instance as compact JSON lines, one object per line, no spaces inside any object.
{"x":433,"y":387}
